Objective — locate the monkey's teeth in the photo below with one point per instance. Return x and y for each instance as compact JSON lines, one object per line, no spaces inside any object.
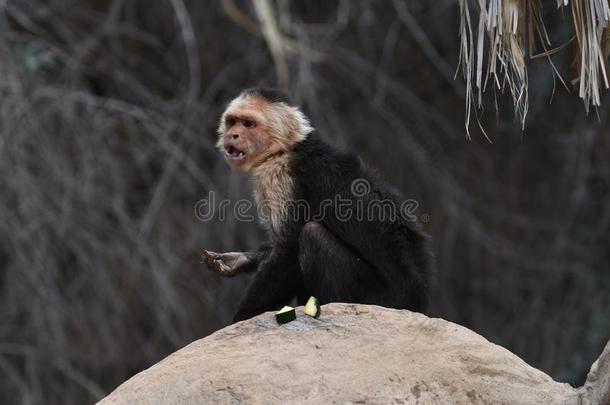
{"x":235,"y":153}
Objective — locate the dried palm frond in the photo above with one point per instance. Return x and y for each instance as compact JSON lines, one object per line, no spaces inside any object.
{"x":590,"y":23}
{"x":466,"y":57}
{"x":504,"y":24}
{"x":506,"y":65}
{"x":508,"y":25}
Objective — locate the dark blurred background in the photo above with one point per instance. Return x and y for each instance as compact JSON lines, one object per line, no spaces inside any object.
{"x":108,"y":111}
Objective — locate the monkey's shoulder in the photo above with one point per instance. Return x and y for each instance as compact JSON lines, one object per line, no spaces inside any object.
{"x":314,"y":160}
{"x":320,"y":169}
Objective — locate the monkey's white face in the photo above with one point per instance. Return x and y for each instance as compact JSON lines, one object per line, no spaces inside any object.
{"x":253,"y":130}
{"x":243,"y":134}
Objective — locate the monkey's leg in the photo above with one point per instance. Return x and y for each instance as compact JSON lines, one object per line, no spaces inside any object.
{"x":332,"y":272}
{"x":231,"y":264}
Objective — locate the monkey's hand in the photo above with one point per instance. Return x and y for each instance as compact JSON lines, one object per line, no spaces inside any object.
{"x":226,"y":264}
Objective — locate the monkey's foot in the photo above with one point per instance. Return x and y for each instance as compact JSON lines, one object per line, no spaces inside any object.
{"x":226,"y":264}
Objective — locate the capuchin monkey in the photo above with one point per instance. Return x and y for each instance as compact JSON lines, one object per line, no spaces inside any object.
{"x":358,"y":258}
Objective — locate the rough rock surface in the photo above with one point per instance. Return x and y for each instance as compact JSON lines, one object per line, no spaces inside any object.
{"x":597,"y":387}
{"x":351,"y":354}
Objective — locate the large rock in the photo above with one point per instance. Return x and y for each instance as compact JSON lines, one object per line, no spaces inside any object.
{"x":597,"y":387}
{"x":352,"y":354}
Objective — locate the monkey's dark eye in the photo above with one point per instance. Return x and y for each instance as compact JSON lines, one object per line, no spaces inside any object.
{"x":248,"y":124}
{"x":230,"y":122}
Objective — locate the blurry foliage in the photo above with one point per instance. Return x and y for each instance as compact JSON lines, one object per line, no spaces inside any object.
{"x":107,"y":124}
{"x":36,"y":58}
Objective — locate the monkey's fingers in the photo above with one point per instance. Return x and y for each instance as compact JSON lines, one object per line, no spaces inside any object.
{"x":210,"y":258}
{"x":208,"y":253}
{"x":226,"y":264}
{"x":223,"y":269}
{"x":219,"y":266}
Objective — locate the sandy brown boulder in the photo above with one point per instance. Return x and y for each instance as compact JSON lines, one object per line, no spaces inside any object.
{"x":352,"y":354}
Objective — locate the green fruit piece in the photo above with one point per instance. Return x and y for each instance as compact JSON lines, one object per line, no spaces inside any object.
{"x":312,"y":308}
{"x":285,"y":315}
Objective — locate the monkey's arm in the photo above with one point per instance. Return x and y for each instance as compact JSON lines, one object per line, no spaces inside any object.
{"x":275,"y":284}
{"x":231,"y":264}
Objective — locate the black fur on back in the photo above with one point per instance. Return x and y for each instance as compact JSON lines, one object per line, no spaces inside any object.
{"x":398,"y":249}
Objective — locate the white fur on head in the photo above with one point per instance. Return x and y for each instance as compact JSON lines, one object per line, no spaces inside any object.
{"x":287,"y":124}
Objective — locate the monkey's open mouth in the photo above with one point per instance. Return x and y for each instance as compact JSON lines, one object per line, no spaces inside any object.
{"x":234,"y":154}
